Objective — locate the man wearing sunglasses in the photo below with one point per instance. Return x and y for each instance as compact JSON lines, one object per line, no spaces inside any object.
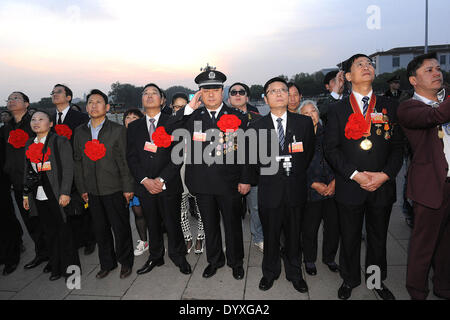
{"x":238,"y":97}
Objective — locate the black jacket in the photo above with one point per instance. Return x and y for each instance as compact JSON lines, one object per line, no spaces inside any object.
{"x":148,"y":164}
{"x":218,"y":179}
{"x":345,"y":155}
{"x":109,"y":174}
{"x":275,"y":190}
{"x":73,"y":119}
{"x":14,"y":158}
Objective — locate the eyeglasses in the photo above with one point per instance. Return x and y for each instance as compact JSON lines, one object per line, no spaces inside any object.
{"x":235,"y":92}
{"x":361,"y":65}
{"x":275,"y":91}
{"x":14,"y":99}
{"x":56,"y":92}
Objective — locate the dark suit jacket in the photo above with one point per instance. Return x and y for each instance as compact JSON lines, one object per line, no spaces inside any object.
{"x":14,"y":160}
{"x":218,"y":179}
{"x":73,"y":119}
{"x":148,"y":164}
{"x":325,"y":105}
{"x":429,"y":167}
{"x":109,"y":174}
{"x":345,"y":155}
{"x":278,"y":189}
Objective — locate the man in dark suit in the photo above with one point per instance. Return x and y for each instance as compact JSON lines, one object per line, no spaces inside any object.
{"x":104,"y":180}
{"x":218,"y":187}
{"x":81,"y":222}
{"x":14,"y":165}
{"x":394,"y":88}
{"x":158,"y":183}
{"x":334,"y":83}
{"x":364,"y":145}
{"x":282,"y":196}
{"x":426,"y":121}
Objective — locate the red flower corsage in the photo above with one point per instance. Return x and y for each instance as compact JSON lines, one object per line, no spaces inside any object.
{"x":94,"y":150}
{"x":34,"y":153}
{"x":161,"y":138}
{"x":355,"y":127}
{"x":63,"y":130}
{"x":18,"y":138}
{"x":229,"y":123}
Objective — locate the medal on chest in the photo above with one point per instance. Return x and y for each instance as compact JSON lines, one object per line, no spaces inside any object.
{"x":359,"y":126}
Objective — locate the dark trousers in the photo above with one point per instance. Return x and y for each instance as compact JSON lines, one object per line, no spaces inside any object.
{"x":34,"y":227}
{"x":211,"y":206}
{"x":166,"y":209}
{"x":314,"y":213}
{"x":111,"y":211}
{"x":82,"y":229}
{"x":63,"y":252}
{"x":350,"y":221}
{"x":10,"y":230}
{"x":429,"y":246}
{"x":275,"y":221}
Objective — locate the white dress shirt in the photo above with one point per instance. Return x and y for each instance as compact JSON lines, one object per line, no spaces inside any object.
{"x":336,"y":96}
{"x":283,"y":122}
{"x":63,"y":116}
{"x":446,"y":138}
{"x":147,"y":121}
{"x":40,"y":195}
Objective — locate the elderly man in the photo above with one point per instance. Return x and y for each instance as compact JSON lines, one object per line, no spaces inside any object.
{"x":217,"y":187}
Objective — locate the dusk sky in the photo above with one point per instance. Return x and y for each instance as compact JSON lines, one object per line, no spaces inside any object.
{"x":91,"y":44}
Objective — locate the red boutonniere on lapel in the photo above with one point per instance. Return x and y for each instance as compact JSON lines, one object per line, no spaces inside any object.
{"x":18,"y":138}
{"x":94,"y":150}
{"x":63,"y":130}
{"x":229,"y":123}
{"x":356,"y":126}
{"x":34,"y":153}
{"x":161,"y":138}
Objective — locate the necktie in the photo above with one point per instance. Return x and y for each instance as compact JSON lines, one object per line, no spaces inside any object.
{"x":280,"y":133}
{"x":365,"y":100}
{"x":213,"y":117}
{"x":60,"y":117}
{"x":151,"y":128}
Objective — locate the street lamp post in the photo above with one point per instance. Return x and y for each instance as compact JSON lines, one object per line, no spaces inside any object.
{"x":426,"y":26}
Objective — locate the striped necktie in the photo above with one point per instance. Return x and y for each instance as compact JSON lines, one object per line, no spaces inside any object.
{"x":151,"y":128}
{"x":280,"y":133}
{"x":365,"y":100}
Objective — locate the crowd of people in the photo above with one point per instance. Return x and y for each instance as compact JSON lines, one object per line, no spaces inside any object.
{"x":75,"y":176}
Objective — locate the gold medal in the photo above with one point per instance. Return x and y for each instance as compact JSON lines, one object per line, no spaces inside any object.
{"x":366,"y":144}
{"x":378,"y":132}
{"x":218,"y":153}
{"x":221,"y":140}
{"x":387,"y":136}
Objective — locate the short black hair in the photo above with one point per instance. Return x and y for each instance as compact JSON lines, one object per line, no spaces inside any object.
{"x":349,"y":62}
{"x":75,"y":106}
{"x":24,"y":96}
{"x":246,"y":88}
{"x":276,"y":79}
{"x":293,"y":84}
{"x":181,"y":95}
{"x":135,"y":111}
{"x":417,"y":62}
{"x":96,"y":91}
{"x":154,"y":85}
{"x":330,"y":76}
{"x":66,"y":90}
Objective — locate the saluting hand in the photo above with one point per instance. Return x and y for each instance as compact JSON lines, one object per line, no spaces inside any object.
{"x":195,"y":102}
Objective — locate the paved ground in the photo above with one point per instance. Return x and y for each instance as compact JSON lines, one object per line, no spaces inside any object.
{"x":166,"y":282}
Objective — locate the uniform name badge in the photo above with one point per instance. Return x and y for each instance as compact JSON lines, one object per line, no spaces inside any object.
{"x":150,"y":147}
{"x":45,"y":167}
{"x":295,"y":147}
{"x":377,"y":117}
{"x":199,"y":136}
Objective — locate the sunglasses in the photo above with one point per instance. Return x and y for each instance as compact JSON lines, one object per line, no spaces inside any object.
{"x":241,"y":92}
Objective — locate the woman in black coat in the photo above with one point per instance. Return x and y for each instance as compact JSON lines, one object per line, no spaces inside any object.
{"x":49,"y":158}
{"x":321,"y":204}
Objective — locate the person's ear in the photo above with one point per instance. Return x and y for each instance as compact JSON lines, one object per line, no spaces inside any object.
{"x":108,"y":107}
{"x":413,"y":81}
{"x":348,"y":76}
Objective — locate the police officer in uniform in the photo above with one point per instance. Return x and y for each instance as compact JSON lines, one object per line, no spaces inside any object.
{"x":217,"y":187}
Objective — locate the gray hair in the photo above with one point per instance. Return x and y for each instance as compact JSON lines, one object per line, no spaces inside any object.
{"x":306,"y":102}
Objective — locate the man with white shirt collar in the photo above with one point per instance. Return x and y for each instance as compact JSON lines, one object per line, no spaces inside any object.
{"x":158,"y":183}
{"x":218,"y":187}
{"x":364,"y":145}
{"x":65,"y":116}
{"x":282,"y":196}
{"x":426,"y":121}
{"x":334,"y":83}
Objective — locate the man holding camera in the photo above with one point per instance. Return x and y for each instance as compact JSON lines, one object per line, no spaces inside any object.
{"x":281,"y":196}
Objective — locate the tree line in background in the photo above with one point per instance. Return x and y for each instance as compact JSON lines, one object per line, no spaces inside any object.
{"x":129,"y":96}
